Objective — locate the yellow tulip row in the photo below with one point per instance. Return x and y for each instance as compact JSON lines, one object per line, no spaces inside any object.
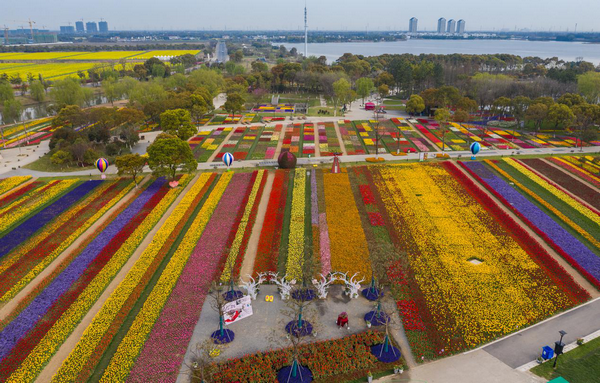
{"x":239,"y":235}
{"x":296,"y":239}
{"x":33,"y":241}
{"x":12,"y":182}
{"x":349,"y":250}
{"x":555,"y":191}
{"x":34,"y":272}
{"x":477,"y":302}
{"x":548,"y":206}
{"x":33,"y":203}
{"x":80,"y":354}
{"x":129,"y":348}
{"x":53,"y":339}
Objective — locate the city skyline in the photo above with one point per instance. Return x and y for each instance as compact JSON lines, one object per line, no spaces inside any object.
{"x":536,"y":15}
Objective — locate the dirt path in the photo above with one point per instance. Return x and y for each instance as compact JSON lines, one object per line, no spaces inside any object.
{"x":559,"y":187}
{"x":218,"y":150}
{"x":397,"y":331}
{"x":18,"y":187}
{"x":316,"y":141}
{"x":435,"y":147}
{"x":585,"y":182}
{"x":339,"y":137}
{"x":280,"y":142}
{"x":574,"y":273}
{"x":248,"y":263}
{"x":66,"y":348}
{"x":10,"y":305}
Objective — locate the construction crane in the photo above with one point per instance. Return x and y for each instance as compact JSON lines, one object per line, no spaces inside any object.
{"x":5,"y":35}
{"x":30,"y":25}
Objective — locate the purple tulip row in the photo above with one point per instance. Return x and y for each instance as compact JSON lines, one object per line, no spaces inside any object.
{"x":570,"y":245}
{"x":19,"y":234}
{"x":27,"y":319}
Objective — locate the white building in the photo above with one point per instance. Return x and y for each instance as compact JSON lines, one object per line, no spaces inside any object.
{"x":412,"y":25}
{"x":441,"y":25}
{"x":460,"y":27}
{"x":451,"y":26}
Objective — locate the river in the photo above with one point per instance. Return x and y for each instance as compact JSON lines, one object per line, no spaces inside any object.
{"x":567,"y":51}
{"x":40,"y":110}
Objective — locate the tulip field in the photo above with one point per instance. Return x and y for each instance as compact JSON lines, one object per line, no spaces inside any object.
{"x":105,"y":280}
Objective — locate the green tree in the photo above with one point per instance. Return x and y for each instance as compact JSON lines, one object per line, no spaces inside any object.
{"x":519,"y":106}
{"x":585,"y":116}
{"x":111,"y":90}
{"x":415,"y":105}
{"x":38,"y":93}
{"x":130,"y":164}
{"x":571,"y":99}
{"x":442,"y":116}
{"x":537,"y":113}
{"x":61,"y":157}
{"x":177,"y":122}
{"x":560,"y":114}
{"x":6,"y":91}
{"x":68,"y":92}
{"x":235,"y":103}
{"x":461,"y":116}
{"x":467,"y":104}
{"x":383,"y":91}
{"x":364,"y":86}
{"x":168,"y":154}
{"x":588,"y":85}
{"x":501,"y":105}
{"x":341,"y":91}
{"x":12,"y":110}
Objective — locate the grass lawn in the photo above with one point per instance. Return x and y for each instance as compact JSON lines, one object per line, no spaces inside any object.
{"x":45,"y":165}
{"x":314,"y":111}
{"x":581,"y":365}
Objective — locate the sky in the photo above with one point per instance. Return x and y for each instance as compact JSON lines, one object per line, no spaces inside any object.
{"x":288,"y":14}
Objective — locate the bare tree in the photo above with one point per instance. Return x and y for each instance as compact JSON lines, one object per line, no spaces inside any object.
{"x":202,"y":367}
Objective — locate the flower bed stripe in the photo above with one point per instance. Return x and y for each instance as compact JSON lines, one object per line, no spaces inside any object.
{"x":130,"y":346}
{"x":323,"y":230}
{"x":575,"y":170}
{"x":296,"y":237}
{"x":141,"y":225}
{"x":7,"y":184}
{"x":64,"y":244}
{"x":572,"y":250}
{"x":16,"y":214}
{"x":241,"y":237}
{"x":270,"y":236}
{"x":39,"y":220}
{"x":555,"y":191}
{"x":87,"y":347}
{"x":349,"y":251}
{"x":76,"y":282}
{"x":18,"y":193}
{"x":163,"y":351}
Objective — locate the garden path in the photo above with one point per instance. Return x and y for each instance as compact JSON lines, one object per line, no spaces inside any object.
{"x":65,"y":349}
{"x":248,"y":263}
{"x":218,"y":150}
{"x":572,"y":272}
{"x":339,"y":137}
{"x":92,"y":230}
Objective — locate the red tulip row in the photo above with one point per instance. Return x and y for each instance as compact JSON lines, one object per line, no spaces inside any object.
{"x":13,"y":196}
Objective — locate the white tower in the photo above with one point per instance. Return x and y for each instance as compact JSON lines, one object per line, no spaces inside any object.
{"x":305,"y":31}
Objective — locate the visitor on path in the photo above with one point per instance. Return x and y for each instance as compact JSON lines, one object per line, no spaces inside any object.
{"x":342,"y":321}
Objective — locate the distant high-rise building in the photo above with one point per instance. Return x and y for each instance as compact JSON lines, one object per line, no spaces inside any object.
{"x":460,"y":26}
{"x":91,"y":27}
{"x":67,"y":29}
{"x":441,"y":25}
{"x":412,"y":25}
{"x":451,"y":26}
{"x":79,"y":26}
{"x":103,"y":25}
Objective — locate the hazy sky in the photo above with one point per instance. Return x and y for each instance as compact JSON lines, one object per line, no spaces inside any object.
{"x":288,"y":14}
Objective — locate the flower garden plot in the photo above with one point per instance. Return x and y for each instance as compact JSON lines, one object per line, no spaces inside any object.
{"x":566,"y":244}
{"x":51,"y":316}
{"x":292,"y":139}
{"x":366,"y":132}
{"x":204,"y":120}
{"x":336,"y":360}
{"x":328,"y":139}
{"x":566,"y":165}
{"x":441,"y":228}
{"x":350,"y":138}
{"x":161,"y":354}
{"x":33,"y":256}
{"x":268,"y":119}
{"x":221,"y":119}
{"x":267,"y":143}
{"x":7,"y":184}
{"x":590,"y":164}
{"x":241,"y":143}
{"x":566,"y":182}
{"x":13,"y":195}
{"x":115,"y":316}
{"x":308,"y":140}
{"x":279,"y":108}
{"x":210,"y":142}
{"x":218,"y":119}
{"x":472,"y":133}
{"x":421,"y":144}
{"x":451,"y":140}
{"x":395,"y":138}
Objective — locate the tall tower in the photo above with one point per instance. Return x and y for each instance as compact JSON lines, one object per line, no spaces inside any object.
{"x":305,"y":31}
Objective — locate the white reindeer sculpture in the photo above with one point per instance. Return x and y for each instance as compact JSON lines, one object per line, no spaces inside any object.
{"x":323,"y":285}
{"x":352,"y":285}
{"x":253,"y":286}
{"x":285,"y":287}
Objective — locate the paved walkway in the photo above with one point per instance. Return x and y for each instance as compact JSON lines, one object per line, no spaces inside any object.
{"x":526,"y":345}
